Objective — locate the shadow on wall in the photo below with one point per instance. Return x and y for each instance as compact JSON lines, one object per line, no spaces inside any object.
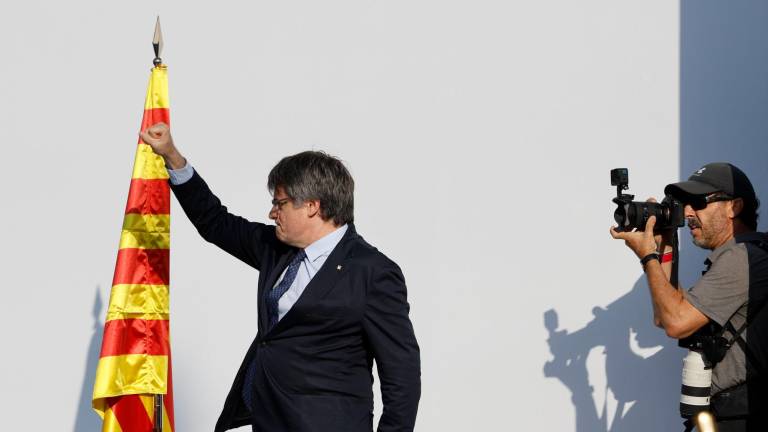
{"x":87,"y":419}
{"x":646,"y":386}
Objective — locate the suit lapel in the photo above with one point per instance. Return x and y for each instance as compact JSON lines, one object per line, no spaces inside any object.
{"x":269,"y":282}
{"x":324,"y":280}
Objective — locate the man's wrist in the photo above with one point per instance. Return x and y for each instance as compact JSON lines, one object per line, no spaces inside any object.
{"x":653,"y":256}
{"x":175,"y":161}
{"x":180,"y":176}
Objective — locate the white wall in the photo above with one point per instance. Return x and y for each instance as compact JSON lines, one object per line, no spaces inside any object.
{"x":480,"y":135}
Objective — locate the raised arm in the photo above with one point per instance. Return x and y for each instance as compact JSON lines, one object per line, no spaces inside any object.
{"x":245,"y":240}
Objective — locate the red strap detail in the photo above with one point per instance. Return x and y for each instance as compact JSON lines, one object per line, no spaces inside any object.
{"x":667,"y":257}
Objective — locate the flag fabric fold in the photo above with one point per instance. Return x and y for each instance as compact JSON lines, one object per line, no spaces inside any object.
{"x":135,"y":359}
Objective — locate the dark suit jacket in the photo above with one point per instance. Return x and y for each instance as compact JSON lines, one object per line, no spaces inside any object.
{"x":314,"y":366}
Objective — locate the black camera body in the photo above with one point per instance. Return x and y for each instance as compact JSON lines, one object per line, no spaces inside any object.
{"x":710,"y":342}
{"x":631,"y":214}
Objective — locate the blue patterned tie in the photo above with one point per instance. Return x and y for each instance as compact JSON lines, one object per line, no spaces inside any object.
{"x":273,"y":295}
{"x":272,"y":299}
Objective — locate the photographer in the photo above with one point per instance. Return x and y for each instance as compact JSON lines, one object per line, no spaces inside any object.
{"x":720,"y":316}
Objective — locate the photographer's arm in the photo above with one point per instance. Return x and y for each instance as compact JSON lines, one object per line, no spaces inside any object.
{"x":672,"y":311}
{"x":664,"y":247}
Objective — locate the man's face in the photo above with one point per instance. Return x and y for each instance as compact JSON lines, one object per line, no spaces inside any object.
{"x":290,"y":218}
{"x":710,"y":226}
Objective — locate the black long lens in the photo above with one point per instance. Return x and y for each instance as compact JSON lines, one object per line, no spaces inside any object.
{"x":635,"y":214}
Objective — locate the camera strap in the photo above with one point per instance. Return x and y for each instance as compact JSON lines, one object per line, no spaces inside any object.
{"x":737,"y":335}
{"x":673,"y":278}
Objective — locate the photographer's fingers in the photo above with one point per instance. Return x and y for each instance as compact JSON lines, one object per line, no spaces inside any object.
{"x":640,"y":242}
{"x":649,"y":244}
{"x":616,"y":234}
{"x":649,"y":226}
{"x":630,"y":238}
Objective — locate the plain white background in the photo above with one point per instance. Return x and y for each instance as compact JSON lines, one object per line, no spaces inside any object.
{"x":480,"y":135}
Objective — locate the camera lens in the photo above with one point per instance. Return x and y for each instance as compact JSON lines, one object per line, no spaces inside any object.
{"x":620,"y":216}
{"x":697,"y":380}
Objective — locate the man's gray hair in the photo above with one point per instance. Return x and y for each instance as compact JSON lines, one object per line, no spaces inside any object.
{"x":316,"y":175}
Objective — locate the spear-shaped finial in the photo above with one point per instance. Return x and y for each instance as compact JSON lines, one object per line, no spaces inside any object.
{"x":157,"y":43}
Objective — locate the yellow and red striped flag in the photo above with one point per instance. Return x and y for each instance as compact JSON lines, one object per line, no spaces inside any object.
{"x":135,"y":360}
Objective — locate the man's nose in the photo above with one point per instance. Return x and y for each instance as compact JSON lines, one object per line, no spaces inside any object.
{"x":273,"y":213}
{"x":688,"y":211}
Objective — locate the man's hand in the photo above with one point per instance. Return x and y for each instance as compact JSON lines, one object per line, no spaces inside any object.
{"x":638,"y":240}
{"x":663,"y":237}
{"x":642,"y":243}
{"x":158,"y":136}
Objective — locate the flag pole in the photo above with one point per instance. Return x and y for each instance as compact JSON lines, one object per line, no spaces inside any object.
{"x":157,"y":45}
{"x":158,"y":427}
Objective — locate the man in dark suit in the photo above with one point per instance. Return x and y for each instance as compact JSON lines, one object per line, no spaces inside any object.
{"x":329,"y":303}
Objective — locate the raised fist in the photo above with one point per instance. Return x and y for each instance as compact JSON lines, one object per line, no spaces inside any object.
{"x":158,"y":136}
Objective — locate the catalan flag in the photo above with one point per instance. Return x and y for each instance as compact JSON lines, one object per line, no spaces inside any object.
{"x":135,"y":360}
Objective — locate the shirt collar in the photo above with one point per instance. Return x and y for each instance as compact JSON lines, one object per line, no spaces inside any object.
{"x":325,"y":245}
{"x":719,"y":251}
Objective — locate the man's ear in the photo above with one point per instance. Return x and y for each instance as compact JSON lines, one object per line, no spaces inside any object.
{"x":313,"y":208}
{"x":737,"y":205}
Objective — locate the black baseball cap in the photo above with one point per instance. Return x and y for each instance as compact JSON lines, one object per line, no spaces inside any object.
{"x":714,"y":177}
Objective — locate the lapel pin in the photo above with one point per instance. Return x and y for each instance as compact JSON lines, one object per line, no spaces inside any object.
{"x":338,"y":267}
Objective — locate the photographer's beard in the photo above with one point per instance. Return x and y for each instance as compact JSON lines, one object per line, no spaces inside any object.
{"x":708,"y":235}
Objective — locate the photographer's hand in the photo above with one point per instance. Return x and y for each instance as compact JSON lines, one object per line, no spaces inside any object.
{"x":642,"y":243}
{"x":663,"y":238}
